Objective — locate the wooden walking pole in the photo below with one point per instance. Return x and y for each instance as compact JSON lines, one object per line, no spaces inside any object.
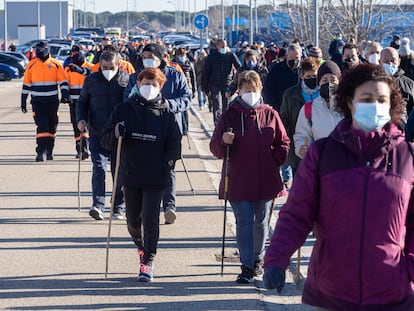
{"x":79,"y":170}
{"x":118,"y":160}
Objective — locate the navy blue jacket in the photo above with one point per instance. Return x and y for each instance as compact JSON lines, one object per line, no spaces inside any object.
{"x":98,"y":98}
{"x":151,"y":145}
{"x":175,"y":91}
{"x":279,"y":79}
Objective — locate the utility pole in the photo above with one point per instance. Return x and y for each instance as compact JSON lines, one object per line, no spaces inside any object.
{"x":256,"y":28}
{"x":60,"y":18}
{"x":315,"y":23}
{"x":222,"y":19}
{"x":38,"y":19}
{"x":94,"y":13}
{"x":251,"y":23}
{"x":84,"y":13}
{"x":74,"y":15}
{"x":127,"y":18}
{"x":5,"y":26}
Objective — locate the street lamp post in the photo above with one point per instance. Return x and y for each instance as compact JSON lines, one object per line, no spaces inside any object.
{"x":251,"y":23}
{"x":60,"y":18}
{"x":5,"y":26}
{"x":222,"y":19}
{"x":38,"y":19}
{"x":127,"y":18}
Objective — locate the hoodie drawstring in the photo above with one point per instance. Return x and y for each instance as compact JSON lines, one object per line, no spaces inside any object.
{"x":242,"y":123}
{"x":258,"y":122}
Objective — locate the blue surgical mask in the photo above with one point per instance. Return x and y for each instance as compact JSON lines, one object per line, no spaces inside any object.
{"x":181,"y":59}
{"x":223,"y":51}
{"x":391,"y":69}
{"x":251,"y":64}
{"x":371,"y":116}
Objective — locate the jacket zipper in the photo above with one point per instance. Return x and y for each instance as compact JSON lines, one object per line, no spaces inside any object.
{"x":361,"y":251}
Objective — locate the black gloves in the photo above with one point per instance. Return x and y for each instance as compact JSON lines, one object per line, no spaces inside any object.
{"x":23,"y":105}
{"x":162,"y":104}
{"x":66,"y":100}
{"x":120,"y":129}
{"x":76,"y":68}
{"x":274,"y":278}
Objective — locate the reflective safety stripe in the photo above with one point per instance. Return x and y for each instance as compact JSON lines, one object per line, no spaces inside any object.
{"x":45,"y":135}
{"x":51,"y":93}
{"x":25,"y":91}
{"x":44,"y":83}
{"x":74,"y":96}
{"x":77,"y":86}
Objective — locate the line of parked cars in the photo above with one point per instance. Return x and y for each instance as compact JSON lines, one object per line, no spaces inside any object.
{"x":12,"y":65}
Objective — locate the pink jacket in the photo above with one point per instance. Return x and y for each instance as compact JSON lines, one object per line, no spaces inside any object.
{"x":360,"y":206}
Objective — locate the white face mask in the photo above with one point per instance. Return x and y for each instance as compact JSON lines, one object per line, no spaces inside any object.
{"x":371,"y":116}
{"x":149,"y":92}
{"x":223,"y":50}
{"x":374,"y":58}
{"x":398,"y":42}
{"x":391,"y":69}
{"x":149,"y":63}
{"x":251,"y":98}
{"x":109,"y":74}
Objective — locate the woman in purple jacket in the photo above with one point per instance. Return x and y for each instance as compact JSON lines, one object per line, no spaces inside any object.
{"x":354,"y":189}
{"x":259,"y":145}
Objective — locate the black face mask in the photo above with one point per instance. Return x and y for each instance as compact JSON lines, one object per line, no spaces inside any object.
{"x":310,"y":82}
{"x":327,"y":91}
{"x":293,"y":63}
{"x":324,"y":91}
{"x":43,"y":55}
{"x":78,"y":59}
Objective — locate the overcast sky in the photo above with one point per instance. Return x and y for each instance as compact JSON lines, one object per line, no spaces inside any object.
{"x":147,"y":5}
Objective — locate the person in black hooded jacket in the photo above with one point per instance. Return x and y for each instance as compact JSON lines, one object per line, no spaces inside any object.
{"x":151,"y":145}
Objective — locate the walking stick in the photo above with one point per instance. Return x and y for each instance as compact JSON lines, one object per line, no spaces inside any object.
{"x":226,"y":188}
{"x":79,"y":169}
{"x":188,"y":176}
{"x":118,"y":155}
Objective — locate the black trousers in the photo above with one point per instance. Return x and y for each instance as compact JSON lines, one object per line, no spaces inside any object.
{"x":46,"y":119}
{"x":143,"y":218}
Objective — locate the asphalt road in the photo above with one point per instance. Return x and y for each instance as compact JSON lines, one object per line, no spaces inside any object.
{"x":52,"y":257}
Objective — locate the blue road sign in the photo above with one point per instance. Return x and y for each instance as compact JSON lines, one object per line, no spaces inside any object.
{"x":201,"y":21}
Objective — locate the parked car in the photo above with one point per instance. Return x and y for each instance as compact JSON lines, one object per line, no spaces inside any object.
{"x":18,"y":55}
{"x":8,"y":72}
{"x":54,"y":49}
{"x":13,"y":61}
{"x":62,"y":54}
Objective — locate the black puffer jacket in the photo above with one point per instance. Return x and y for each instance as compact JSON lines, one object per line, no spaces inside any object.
{"x":218,"y":70}
{"x":151,"y":145}
{"x":407,"y":91}
{"x":98,"y":98}
{"x":279,"y":79}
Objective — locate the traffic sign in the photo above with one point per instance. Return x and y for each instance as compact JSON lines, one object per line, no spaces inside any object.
{"x":201,"y":21}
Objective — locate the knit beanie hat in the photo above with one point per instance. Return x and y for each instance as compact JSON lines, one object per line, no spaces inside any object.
{"x":328,"y":67}
{"x":155,"y":49}
{"x":404,"y":49}
{"x":315,"y":52}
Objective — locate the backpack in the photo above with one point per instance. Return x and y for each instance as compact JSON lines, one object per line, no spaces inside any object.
{"x":308,"y":112}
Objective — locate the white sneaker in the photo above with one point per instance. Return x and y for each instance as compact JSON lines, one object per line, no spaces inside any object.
{"x":96,"y":213}
{"x":118,"y":215}
{"x":170,"y":217}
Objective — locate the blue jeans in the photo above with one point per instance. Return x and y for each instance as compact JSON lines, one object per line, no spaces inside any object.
{"x":252,"y":227}
{"x":100,"y":157}
{"x":286,"y":172}
{"x":202,"y":98}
